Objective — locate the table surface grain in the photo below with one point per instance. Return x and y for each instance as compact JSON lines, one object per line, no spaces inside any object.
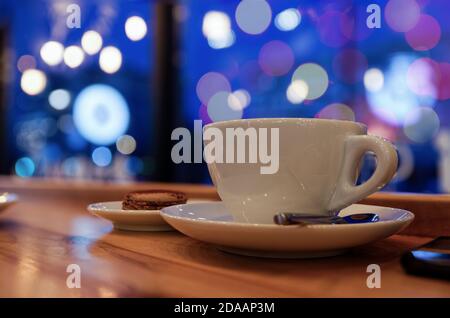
{"x":50,"y":229}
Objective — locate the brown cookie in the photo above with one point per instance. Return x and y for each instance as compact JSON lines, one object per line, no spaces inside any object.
{"x":152,"y":199}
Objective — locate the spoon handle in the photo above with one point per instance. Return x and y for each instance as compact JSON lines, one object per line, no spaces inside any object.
{"x":304,"y":219}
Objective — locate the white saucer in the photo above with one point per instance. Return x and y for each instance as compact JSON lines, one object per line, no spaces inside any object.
{"x":131,"y":220}
{"x":212,"y":223}
{"x":6,"y":200}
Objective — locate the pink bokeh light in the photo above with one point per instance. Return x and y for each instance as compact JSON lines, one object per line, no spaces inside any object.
{"x":211,"y":83}
{"x":428,"y":78}
{"x":423,"y":76}
{"x":444,"y":81}
{"x":276,"y":58}
{"x":425,"y":34}
{"x":402,"y":15}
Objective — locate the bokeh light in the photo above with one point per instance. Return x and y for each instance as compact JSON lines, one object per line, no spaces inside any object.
{"x":239,"y":99}
{"x":297,"y":92}
{"x":91,"y":42}
{"x":110,"y":59}
{"x":126,"y":144}
{"x":216,"y":28}
{"x":315,"y":77}
{"x":26,"y":62}
{"x":253,"y":16}
{"x":73,"y":56}
{"x":102,"y":156}
{"x":337,"y":111}
{"x":425,"y":34}
{"x":402,"y":15}
{"x":52,"y":52}
{"x":219,"y":108}
{"x":101,"y":114}
{"x":211,"y":83}
{"x":373,"y":79}
{"x":33,"y":81}
{"x":59,"y":99}
{"x":443,"y":81}
{"x":276,"y":58}
{"x":395,"y":100}
{"x":25,"y":167}
{"x":135,"y":28}
{"x":288,"y":20}
{"x":422,"y":77}
{"x":222,"y":43}
{"x":421,"y":124}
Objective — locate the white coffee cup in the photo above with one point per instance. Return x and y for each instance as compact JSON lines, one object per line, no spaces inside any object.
{"x":318,"y":165}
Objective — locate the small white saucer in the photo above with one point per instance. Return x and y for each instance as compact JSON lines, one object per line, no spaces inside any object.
{"x":212,"y":223}
{"x":131,"y":220}
{"x":6,"y":200}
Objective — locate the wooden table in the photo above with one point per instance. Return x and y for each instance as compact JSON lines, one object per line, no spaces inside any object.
{"x":50,"y":229}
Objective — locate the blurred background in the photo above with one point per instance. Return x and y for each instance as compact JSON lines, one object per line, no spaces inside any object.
{"x":98,"y":97}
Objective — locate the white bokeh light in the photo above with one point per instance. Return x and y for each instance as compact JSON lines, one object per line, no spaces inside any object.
{"x":110,"y":59}
{"x":239,"y":99}
{"x":101,"y":114}
{"x":73,"y":56}
{"x":126,"y":144}
{"x":59,"y":99}
{"x":373,"y":79}
{"x":288,"y":20}
{"x":33,"y":81}
{"x":52,"y":53}
{"x":253,"y":16}
{"x":216,"y":24}
{"x":297,"y":92}
{"x":91,"y":42}
{"x":216,"y":28}
{"x":222,"y":43}
{"x":135,"y":28}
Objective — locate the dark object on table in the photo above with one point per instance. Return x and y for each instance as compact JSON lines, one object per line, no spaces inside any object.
{"x":431,"y":259}
{"x":152,"y":199}
{"x":306,"y":219}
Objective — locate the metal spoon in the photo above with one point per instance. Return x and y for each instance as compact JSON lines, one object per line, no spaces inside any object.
{"x":305,"y":219}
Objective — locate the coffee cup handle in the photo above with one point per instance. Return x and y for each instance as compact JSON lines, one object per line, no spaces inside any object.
{"x":346,"y":191}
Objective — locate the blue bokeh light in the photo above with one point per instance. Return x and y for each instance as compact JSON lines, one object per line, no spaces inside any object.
{"x":101,"y":114}
{"x":25,"y":167}
{"x":102,"y":156}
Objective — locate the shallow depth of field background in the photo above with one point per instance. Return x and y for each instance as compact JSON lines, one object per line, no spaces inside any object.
{"x":79,"y":103}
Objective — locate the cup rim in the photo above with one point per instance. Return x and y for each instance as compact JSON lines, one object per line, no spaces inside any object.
{"x":285,"y":119}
